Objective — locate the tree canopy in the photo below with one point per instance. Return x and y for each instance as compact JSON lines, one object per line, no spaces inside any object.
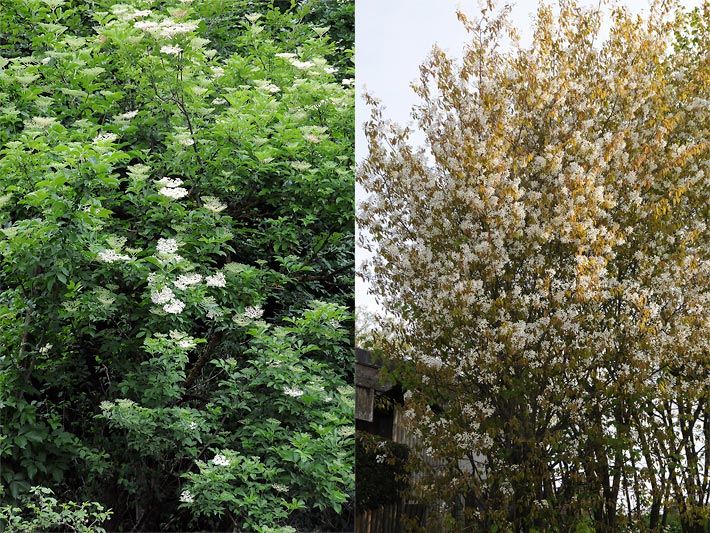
{"x":542,"y":261}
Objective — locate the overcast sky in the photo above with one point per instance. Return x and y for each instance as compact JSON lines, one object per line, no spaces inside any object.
{"x":392,"y":38}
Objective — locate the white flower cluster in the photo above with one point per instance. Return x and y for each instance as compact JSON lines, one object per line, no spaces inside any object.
{"x":301,"y":166}
{"x":213,"y":204}
{"x":105,"y":138}
{"x":169,"y":182}
{"x":167,"y":251}
{"x":162,"y":294}
{"x":171,"y":187}
{"x":167,"y":247}
{"x":266,"y":86}
{"x":184,"y":341}
{"x":174,"y":307}
{"x":187,"y":497}
{"x":220,"y":460}
{"x":171,"y":50}
{"x":293,"y":392}
{"x":346,"y":431}
{"x":112,"y":256}
{"x":128,"y":13}
{"x":44,"y":350}
{"x":104,"y":296}
{"x":302,"y":65}
{"x":174,"y":193}
{"x":216,"y":280}
{"x":167,"y":28}
{"x":128,"y":115}
{"x":187,"y":280}
{"x":314,"y":134}
{"x":42,"y":122}
{"x":253,"y":313}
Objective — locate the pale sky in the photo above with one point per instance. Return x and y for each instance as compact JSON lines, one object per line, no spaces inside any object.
{"x":392,"y":38}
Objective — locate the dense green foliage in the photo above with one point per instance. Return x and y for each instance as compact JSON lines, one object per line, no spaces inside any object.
{"x":336,"y":17}
{"x":176,"y":264}
{"x":382,"y":475}
{"x":40,"y":511}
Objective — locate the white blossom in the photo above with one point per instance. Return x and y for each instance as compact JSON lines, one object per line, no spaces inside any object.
{"x":302,"y":65}
{"x":174,"y":192}
{"x":220,"y":460}
{"x":253,"y":312}
{"x":44,"y":350}
{"x":42,"y":122}
{"x":146,"y":25}
{"x":167,"y":246}
{"x":216,"y":280}
{"x":162,"y":296}
{"x":171,"y":50}
{"x":170,"y":183}
{"x":186,"y":280}
{"x":167,"y":28}
{"x":213,"y":204}
{"x":301,"y":166}
{"x":111,"y":256}
{"x":184,"y":341}
{"x":346,"y":431}
{"x":174,"y":307}
{"x":128,"y":115}
{"x":267,"y":86}
{"x":293,"y":392}
{"x":186,"y":497}
{"x":105,"y":138}
{"x":104,"y":296}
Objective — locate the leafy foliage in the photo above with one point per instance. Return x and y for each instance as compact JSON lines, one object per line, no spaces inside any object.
{"x":176,"y":264}
{"x":41,"y":511}
{"x":382,"y":475}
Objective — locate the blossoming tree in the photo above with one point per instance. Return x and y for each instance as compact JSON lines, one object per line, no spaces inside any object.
{"x":175,"y":268}
{"x":543,"y":262}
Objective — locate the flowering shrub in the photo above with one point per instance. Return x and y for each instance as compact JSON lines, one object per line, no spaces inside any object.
{"x":543,"y":259}
{"x":41,"y":511}
{"x":176,"y":264}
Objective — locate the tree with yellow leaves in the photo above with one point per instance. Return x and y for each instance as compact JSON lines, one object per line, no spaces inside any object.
{"x":544,"y":262}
